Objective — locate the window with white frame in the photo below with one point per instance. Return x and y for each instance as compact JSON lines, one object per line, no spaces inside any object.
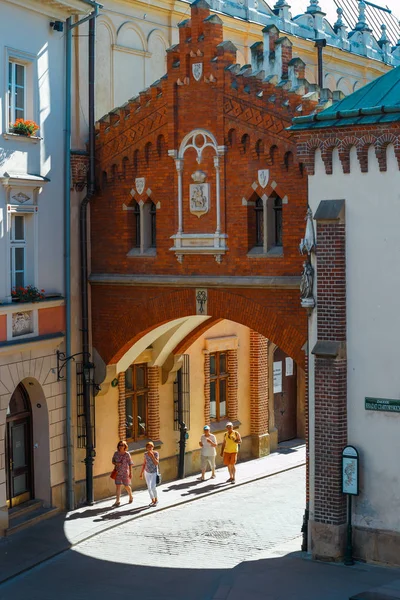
{"x":16,"y":91}
{"x":18,"y":250}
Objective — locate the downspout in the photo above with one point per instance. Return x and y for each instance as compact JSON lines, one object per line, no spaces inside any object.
{"x":67,"y":233}
{"x":320,"y":44}
{"x":90,"y":452}
{"x":67,"y":244}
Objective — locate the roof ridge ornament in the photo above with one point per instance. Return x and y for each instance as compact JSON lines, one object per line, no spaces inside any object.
{"x":339,"y":23}
{"x":314,"y":7}
{"x":362,"y":24}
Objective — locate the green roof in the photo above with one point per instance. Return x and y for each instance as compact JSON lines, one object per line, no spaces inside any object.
{"x":377,"y":102}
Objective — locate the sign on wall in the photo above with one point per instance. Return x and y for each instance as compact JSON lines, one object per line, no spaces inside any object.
{"x":278,"y":377}
{"x":382,"y":404}
{"x":350,"y":476}
{"x":288,"y":366}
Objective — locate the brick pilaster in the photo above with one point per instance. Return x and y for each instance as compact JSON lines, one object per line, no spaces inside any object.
{"x":153,"y":429}
{"x":121,"y":407}
{"x":258,"y":384}
{"x":330,"y":378}
{"x":232,"y":408}
{"x":206,"y":386}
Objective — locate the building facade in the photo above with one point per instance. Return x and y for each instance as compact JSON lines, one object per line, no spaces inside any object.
{"x":194,"y":254}
{"x":32,"y":316}
{"x":351,"y":152}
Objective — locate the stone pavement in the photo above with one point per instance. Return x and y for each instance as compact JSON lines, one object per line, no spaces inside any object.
{"x":30,"y":547}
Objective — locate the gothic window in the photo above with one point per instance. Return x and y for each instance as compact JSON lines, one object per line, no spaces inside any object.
{"x":277,"y":222}
{"x":137,"y":225}
{"x":153,"y":225}
{"x":259,"y":211}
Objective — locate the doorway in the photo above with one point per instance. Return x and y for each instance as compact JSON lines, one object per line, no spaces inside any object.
{"x":285,"y":396}
{"x":19,"y":460}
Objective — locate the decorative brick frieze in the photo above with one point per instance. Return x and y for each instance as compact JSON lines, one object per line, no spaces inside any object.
{"x":153,"y":409}
{"x":232,"y":408}
{"x":259,"y":389}
{"x":121,"y":406}
{"x":360,"y":138}
{"x":206,"y":355}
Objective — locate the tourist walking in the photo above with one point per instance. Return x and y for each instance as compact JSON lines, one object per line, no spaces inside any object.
{"x":150,"y":470}
{"x":208,"y":444}
{"x":122,"y":471}
{"x":229,"y":450}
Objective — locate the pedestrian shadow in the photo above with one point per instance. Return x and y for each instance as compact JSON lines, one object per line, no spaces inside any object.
{"x":182,"y":486}
{"x":87,"y":514}
{"x":205,"y":489}
{"x":119,"y":514}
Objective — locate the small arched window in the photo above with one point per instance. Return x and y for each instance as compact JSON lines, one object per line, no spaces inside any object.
{"x":259,"y":210}
{"x":245,"y":143}
{"x":147,"y":152}
{"x":137,"y":225}
{"x":125,"y":162}
{"x":160,"y":146}
{"x":153,"y":225}
{"x":259,"y":148}
{"x":277,"y":210}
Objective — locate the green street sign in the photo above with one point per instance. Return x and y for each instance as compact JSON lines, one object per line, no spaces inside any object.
{"x":382,"y":404}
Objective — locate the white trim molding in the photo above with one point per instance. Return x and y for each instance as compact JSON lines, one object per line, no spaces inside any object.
{"x":202,"y":243}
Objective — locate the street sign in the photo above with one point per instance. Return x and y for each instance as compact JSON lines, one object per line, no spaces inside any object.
{"x":350,"y":471}
{"x":382,"y":404}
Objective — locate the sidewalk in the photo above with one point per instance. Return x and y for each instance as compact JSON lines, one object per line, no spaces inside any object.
{"x":30,"y":547}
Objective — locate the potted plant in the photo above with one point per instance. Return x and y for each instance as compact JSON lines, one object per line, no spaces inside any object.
{"x":27,"y":128}
{"x":27,"y":294}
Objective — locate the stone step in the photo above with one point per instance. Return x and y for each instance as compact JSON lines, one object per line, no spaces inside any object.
{"x":27,"y":519}
{"x":24,"y":508}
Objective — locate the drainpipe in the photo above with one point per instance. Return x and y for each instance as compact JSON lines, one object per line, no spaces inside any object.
{"x":320,"y":44}
{"x":67,"y":229}
{"x":67,"y":233}
{"x":87,"y":365}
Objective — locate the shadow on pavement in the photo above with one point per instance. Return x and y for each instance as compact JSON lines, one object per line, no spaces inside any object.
{"x":182,"y":486}
{"x":118,"y":514}
{"x":74,"y":575}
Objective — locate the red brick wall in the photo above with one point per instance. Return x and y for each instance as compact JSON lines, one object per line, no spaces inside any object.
{"x":330,"y":374}
{"x":259,"y":390}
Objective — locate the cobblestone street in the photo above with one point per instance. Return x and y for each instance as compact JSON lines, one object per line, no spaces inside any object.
{"x":180,"y":552}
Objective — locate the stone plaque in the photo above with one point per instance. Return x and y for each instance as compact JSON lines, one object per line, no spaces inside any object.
{"x":199,"y":198}
{"x":197,"y":70}
{"x":22,"y":323}
{"x":140,"y":182}
{"x":263,"y":177}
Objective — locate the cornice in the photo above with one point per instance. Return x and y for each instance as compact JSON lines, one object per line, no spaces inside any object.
{"x":54,"y":9}
{"x":197,"y":281}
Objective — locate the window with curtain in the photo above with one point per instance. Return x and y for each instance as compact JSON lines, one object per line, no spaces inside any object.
{"x":218,"y":385}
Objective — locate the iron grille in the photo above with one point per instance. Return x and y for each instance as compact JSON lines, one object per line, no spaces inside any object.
{"x":376,"y":16}
{"x":81,"y":421}
{"x":182,"y":395}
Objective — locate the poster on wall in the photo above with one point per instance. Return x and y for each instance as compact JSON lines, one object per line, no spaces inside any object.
{"x":288,"y":366}
{"x":278,"y":377}
{"x":350,"y":478}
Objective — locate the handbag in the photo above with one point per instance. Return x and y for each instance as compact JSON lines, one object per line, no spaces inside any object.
{"x":114,"y":474}
{"x":158,"y":478}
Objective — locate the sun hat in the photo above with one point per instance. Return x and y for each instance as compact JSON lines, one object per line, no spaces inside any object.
{"x":229,"y":424}
{"x":206,"y":427}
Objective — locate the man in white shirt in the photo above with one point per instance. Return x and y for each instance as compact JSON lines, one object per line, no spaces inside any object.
{"x":208,"y":443}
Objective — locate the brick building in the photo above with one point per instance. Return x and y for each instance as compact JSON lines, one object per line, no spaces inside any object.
{"x":351,"y":152}
{"x":194,"y":249}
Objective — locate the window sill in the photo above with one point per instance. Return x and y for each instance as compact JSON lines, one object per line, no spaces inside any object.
{"x":148,"y":253}
{"x":218,"y":426}
{"x":23,"y":138}
{"x":136,"y":447}
{"x":258,"y":252}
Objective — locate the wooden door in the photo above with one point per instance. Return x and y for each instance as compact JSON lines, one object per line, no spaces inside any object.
{"x":285,"y":396}
{"x":19,"y":449}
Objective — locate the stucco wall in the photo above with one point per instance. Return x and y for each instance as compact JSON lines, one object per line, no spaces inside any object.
{"x":34,"y":37}
{"x":373,"y":285}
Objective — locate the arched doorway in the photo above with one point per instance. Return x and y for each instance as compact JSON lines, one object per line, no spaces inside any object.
{"x":19,"y":459}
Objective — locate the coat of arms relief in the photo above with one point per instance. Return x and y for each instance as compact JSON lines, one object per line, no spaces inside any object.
{"x":199,"y":194}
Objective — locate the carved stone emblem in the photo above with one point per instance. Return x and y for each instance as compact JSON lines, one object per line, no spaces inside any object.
{"x":199,"y":194}
{"x":263,"y":177}
{"x":21,"y":197}
{"x":22,"y":323}
{"x":197,"y":70}
{"x":201,"y":302}
{"x":140,"y":182}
